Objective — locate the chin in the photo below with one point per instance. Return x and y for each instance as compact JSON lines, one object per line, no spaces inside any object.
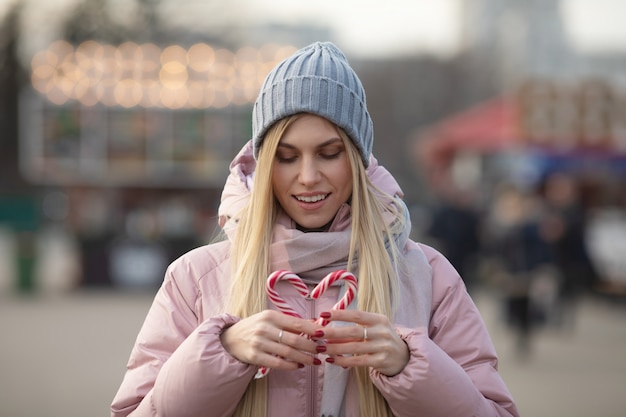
{"x":315,"y":227}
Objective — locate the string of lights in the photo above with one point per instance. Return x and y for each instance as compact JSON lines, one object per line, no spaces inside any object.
{"x":146,"y":75}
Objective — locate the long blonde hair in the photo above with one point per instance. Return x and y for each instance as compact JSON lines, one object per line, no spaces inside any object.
{"x":370,"y":232}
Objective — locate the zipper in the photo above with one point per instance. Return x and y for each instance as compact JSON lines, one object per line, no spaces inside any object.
{"x":313,"y":371}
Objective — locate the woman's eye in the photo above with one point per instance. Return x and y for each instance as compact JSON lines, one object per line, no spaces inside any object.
{"x":285,"y":158}
{"x":331,"y":155}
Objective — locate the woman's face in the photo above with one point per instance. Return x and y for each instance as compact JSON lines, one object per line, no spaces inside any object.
{"x":312,"y":177}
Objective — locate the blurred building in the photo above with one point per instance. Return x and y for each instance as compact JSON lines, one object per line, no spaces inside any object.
{"x":122,"y":135}
{"x":137,"y":139}
{"x":126,"y":130}
{"x":553,"y":110}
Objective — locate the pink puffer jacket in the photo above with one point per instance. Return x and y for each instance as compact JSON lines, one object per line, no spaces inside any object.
{"x":178,"y":367}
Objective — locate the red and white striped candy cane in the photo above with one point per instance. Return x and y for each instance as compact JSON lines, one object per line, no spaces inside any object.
{"x":351,"y":289}
{"x":279,"y":302}
{"x":296,"y":281}
{"x":275,"y":298}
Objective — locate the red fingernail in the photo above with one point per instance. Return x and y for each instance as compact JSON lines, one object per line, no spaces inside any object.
{"x":316,"y":361}
{"x":330,"y":360}
{"x":325,"y":315}
{"x":300,"y":365}
{"x":318,"y":333}
{"x":320,"y":348}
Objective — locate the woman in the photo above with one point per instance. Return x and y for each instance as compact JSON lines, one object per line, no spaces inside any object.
{"x":306,"y":195}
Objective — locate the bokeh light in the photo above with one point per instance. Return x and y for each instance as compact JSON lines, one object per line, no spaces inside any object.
{"x":133,"y":75}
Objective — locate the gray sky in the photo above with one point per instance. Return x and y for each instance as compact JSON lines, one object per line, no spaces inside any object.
{"x":366,"y":28}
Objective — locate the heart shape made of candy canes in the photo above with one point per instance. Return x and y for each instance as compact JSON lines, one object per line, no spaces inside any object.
{"x":303,"y":290}
{"x":324,"y":284}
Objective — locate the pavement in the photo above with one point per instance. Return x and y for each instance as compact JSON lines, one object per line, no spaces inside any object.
{"x":64,"y":355}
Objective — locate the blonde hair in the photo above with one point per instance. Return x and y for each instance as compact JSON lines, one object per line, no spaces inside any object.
{"x":370,"y":232}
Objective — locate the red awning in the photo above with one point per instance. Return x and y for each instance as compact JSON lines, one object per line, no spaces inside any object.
{"x":493,"y":126}
{"x":487,"y":127}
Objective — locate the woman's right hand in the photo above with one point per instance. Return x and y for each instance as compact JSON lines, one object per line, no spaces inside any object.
{"x":273,"y":340}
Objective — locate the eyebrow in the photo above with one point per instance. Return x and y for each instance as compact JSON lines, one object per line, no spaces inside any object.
{"x":321,"y":145}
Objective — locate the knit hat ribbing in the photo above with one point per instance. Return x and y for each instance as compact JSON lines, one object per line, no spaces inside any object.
{"x":315,"y":79}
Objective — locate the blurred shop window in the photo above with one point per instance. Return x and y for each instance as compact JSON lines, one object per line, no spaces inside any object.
{"x":93,"y":217}
{"x":58,"y":256}
{"x":177,"y":226}
{"x":138,"y":259}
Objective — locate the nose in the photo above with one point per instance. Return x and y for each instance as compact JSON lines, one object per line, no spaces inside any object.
{"x":309,"y":172}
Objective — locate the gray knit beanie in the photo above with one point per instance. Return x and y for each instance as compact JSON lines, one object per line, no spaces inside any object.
{"x":315,"y":79}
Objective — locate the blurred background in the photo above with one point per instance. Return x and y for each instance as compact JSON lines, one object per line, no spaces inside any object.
{"x":503,"y":121}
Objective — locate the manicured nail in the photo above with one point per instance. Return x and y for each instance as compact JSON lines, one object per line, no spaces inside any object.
{"x":330,"y":359}
{"x":325,"y":315}
{"x":316,"y":361}
{"x":318,"y":334}
{"x":300,"y":365}
{"x":320,"y":348}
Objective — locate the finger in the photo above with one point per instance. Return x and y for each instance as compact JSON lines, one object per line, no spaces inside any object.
{"x":291,"y":360}
{"x":386,"y":356}
{"x":354,"y":316}
{"x":294,"y":325}
{"x":282,"y":352}
{"x":349,"y":361}
{"x":384,"y":364}
{"x":278,"y":362}
{"x":271,"y":354}
{"x":300,"y":342}
{"x":336,"y":348}
{"x":350,"y":333}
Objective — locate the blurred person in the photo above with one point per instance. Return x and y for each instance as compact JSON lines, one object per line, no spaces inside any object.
{"x":566,"y":233}
{"x":604,"y":238}
{"x":516,"y":240}
{"x":454,"y":226}
{"x":306,"y":195}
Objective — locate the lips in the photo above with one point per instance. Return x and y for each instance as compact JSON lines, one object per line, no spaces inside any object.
{"x":311,"y":198}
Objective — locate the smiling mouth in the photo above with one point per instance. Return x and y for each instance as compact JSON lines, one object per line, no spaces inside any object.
{"x":311,"y":198}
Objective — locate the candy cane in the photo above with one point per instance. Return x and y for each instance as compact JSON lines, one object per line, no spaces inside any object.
{"x":344,"y":302}
{"x":296,"y":281}
{"x":279,"y":302}
{"x":273,"y":295}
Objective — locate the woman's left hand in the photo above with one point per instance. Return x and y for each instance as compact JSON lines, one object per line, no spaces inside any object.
{"x":372,"y":341}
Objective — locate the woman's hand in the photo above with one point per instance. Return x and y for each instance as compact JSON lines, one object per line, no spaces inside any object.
{"x":372,"y":341}
{"x":273,"y":340}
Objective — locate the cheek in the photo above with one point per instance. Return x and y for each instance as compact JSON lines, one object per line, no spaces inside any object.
{"x":342,"y":182}
{"x":343,"y":176}
{"x":278,"y":180}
